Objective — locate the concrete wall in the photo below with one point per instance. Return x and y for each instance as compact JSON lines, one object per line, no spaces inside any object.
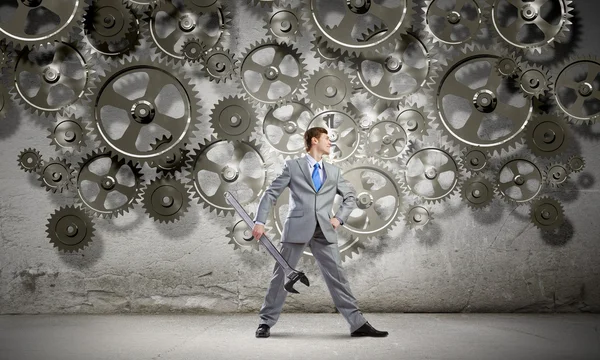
{"x":494,"y":260}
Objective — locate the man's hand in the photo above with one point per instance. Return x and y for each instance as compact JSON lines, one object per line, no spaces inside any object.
{"x":258,"y":231}
{"x":334,"y":222}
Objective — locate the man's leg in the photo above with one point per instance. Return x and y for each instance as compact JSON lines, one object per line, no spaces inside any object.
{"x":328,"y":258}
{"x":276,"y":294}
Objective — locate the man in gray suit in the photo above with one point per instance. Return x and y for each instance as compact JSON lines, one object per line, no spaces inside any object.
{"x":313,"y":185}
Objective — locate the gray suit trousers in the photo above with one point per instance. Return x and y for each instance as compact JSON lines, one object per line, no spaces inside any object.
{"x":328,"y":258}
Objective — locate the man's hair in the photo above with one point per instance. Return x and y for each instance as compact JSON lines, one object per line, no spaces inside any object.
{"x":314,"y":132}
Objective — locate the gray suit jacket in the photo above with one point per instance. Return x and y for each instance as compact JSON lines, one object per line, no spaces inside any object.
{"x":308,"y":206}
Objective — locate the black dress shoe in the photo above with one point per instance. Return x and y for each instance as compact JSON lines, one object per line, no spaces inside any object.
{"x":368,"y":330}
{"x":263,"y":331}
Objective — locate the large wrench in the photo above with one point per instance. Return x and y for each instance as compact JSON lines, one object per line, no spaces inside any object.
{"x":292,"y":274}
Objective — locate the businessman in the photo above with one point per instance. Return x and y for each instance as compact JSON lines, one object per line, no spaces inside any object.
{"x":313,"y":185}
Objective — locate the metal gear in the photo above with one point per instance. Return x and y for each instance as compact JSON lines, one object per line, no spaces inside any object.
{"x":70,"y":229}
{"x":284,"y":126}
{"x":56,"y":175}
{"x":110,"y":51}
{"x":4,"y":56}
{"x":474,"y":103}
{"x":192,"y":50}
{"x":330,"y":87}
{"x":418,"y":217}
{"x":576,"y":163}
{"x":478,"y":192}
{"x":283,"y":24}
{"x":547,"y":136}
{"x":451,"y":25}
{"x":416,"y":120}
{"x":534,"y":81}
{"x":556,"y":174}
{"x":59,"y":86}
{"x":519,"y":180}
{"x":233,"y":118}
{"x":202,"y":6}
{"x":106,"y":185}
{"x":385,"y":140}
{"x":108,"y":21}
{"x":240,"y":236}
{"x":68,"y":134}
{"x":475,"y":159}
{"x":525,"y":25}
{"x":173,"y":162}
{"x":326,"y":54}
{"x":341,"y":35}
{"x":266,"y":77}
{"x":30,"y":160}
{"x":344,"y":133}
{"x":142,"y":5}
{"x":509,"y":66}
{"x":235,"y":166}
{"x":184,"y":23}
{"x":576,"y":92}
{"x":547,"y":214}
{"x":123,"y":115}
{"x":166,"y":199}
{"x":264,"y":2}
{"x":220,"y":64}
{"x":41,"y":22}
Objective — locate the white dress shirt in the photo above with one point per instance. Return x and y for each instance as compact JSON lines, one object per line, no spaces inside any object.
{"x":311,"y":167}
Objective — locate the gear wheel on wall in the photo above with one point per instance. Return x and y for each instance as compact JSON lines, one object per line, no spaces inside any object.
{"x":106,"y":185}
{"x":56,"y":175}
{"x":385,"y":140}
{"x":532,"y":28}
{"x":272,"y":73}
{"x":235,"y":166}
{"x":108,"y":21}
{"x":40,"y":22}
{"x":166,"y":199}
{"x":220,"y":64}
{"x":325,"y":54}
{"x":453,"y":24}
{"x":509,"y":66}
{"x":478,"y":192}
{"x":519,"y":180}
{"x":142,"y":5}
{"x":202,"y":6}
{"x":475,"y":159}
{"x":547,"y":135}
{"x":70,"y":229}
{"x":418,"y":218}
{"x":330,"y":87}
{"x":576,"y":92}
{"x":240,"y":236}
{"x":192,"y":50}
{"x":576,"y":163}
{"x":30,"y":160}
{"x":4,"y":55}
{"x":61,"y":72}
{"x":547,"y":214}
{"x":174,"y":161}
{"x":233,"y":118}
{"x":534,"y":81}
{"x":123,"y":115}
{"x":283,"y":24}
{"x":284,"y":127}
{"x":341,"y":34}
{"x":416,"y":120}
{"x":68,"y":134}
{"x":344,"y":133}
{"x":556,"y":174}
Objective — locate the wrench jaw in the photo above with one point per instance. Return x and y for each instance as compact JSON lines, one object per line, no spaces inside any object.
{"x":294,"y":276}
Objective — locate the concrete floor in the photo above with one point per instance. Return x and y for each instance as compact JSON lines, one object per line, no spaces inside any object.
{"x":300,"y":336}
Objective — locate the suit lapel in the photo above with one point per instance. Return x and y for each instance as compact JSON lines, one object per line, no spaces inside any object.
{"x":304,"y":168}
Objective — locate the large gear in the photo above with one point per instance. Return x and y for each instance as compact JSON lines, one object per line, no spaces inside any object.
{"x":68,"y":134}
{"x":284,"y":127}
{"x":519,"y":180}
{"x":233,"y":118}
{"x":272,"y":73}
{"x":475,"y":159}
{"x":385,"y":140}
{"x":547,"y":214}
{"x":341,"y":36}
{"x":283,"y":24}
{"x":32,"y":23}
{"x":431,"y":173}
{"x":106,"y":185}
{"x":556,"y":174}
{"x":59,"y":86}
{"x":344,"y":133}
{"x":56,"y":175}
{"x":30,"y":160}
{"x":220,"y":64}
{"x":475,"y":105}
{"x":70,"y":229}
{"x":173,"y":162}
{"x":166,"y":199}
{"x":454,"y":24}
{"x":237,"y":166}
{"x":477,"y":192}
{"x":525,"y":25}
{"x":108,"y":21}
{"x":576,"y":91}
{"x":330,"y":87}
{"x":123,"y":114}
{"x":547,"y":135}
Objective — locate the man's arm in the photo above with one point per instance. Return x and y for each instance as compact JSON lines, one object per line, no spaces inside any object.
{"x":272,"y":193}
{"x":345,"y":189}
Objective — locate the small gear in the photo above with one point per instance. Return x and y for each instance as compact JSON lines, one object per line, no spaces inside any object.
{"x":509,"y":66}
{"x":385,"y":140}
{"x":519,"y":180}
{"x":192,"y":50}
{"x":418,"y":217}
{"x":173,"y":162}
{"x":108,"y":21}
{"x":576,"y":163}
{"x":326,"y":54}
{"x":106,"y":185}
{"x":266,"y":77}
{"x":68,"y":134}
{"x":110,"y":51}
{"x":416,"y":120}
{"x":547,"y":214}
{"x":557,"y":174}
{"x":478,"y":192}
{"x":344,"y":132}
{"x":534,"y":81}
{"x":166,"y":199}
{"x":330,"y":87}
{"x":475,"y":159}
{"x":451,"y":25}
{"x":547,"y":136}
{"x":283,"y":24}
{"x":284,"y":126}
{"x":532,"y":28}
{"x":70,"y":229}
{"x":56,"y":175}
{"x":26,"y":26}
{"x":577,"y":92}
{"x":220,"y":64}
{"x":240,"y":236}
{"x":30,"y":160}
{"x":233,"y":118}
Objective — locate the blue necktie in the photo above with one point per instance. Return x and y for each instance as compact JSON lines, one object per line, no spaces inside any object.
{"x":316,"y":178}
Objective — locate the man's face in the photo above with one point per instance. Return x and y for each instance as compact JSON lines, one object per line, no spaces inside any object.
{"x":322,"y":144}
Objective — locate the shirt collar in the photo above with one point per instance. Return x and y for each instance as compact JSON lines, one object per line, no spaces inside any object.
{"x":312,"y":161}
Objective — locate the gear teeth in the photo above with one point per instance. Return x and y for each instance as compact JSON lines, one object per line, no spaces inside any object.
{"x":418,"y":218}
{"x":164,"y":166}
{"x":60,"y":138}
{"x":218,"y":75}
{"x":169,"y":188}
{"x":576,"y":163}
{"x":478,"y":192}
{"x":536,"y":131}
{"x":223,"y":114}
{"x":475,"y":159}
{"x":240,"y":229}
{"x":60,"y":167}
{"x":506,"y":197}
{"x":290,"y":15}
{"x":32,"y":165}
{"x":321,"y":117}
{"x":342,"y":82}
{"x":546,"y":214}
{"x":326,"y":55}
{"x":557,"y":174}
{"x":76,"y":219}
